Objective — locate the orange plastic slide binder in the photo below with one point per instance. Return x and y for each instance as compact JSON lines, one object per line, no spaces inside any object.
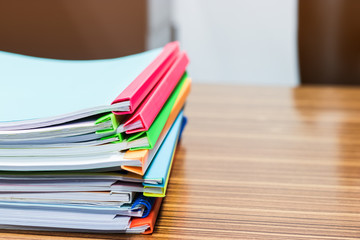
{"x":149,"y":220}
{"x":137,"y":154}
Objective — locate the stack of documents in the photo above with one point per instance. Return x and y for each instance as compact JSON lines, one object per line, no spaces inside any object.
{"x":88,"y":145}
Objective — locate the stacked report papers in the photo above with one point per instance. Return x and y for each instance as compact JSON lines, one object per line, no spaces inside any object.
{"x":88,"y":145}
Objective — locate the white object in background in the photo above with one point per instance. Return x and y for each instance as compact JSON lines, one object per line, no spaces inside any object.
{"x":159,"y":23}
{"x":239,"y":41}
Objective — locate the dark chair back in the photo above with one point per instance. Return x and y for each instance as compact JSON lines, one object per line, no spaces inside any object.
{"x":73,"y":29}
{"x":329,"y":41}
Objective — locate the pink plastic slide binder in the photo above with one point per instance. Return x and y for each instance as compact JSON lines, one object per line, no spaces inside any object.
{"x":145,"y":82}
{"x":144,"y":116}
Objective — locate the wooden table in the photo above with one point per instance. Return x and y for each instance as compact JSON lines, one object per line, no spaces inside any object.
{"x":261,"y":163}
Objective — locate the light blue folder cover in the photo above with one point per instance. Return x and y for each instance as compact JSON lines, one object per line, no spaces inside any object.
{"x":160,"y":165}
{"x":32,"y":87}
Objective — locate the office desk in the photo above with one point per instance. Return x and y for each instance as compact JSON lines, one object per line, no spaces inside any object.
{"x":261,"y":163}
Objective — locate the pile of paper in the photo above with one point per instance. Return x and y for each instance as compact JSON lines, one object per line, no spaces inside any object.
{"x":88,"y":145}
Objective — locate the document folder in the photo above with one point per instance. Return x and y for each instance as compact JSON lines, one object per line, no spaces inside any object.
{"x":33,"y":95}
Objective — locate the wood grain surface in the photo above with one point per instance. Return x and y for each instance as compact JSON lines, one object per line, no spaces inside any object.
{"x":260,"y":163}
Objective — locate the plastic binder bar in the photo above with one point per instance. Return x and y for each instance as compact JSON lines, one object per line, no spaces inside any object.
{"x":153,"y":103}
{"x":146,"y":81}
{"x":150,"y":220}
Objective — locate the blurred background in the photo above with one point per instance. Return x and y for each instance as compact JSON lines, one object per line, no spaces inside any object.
{"x":249,"y":42}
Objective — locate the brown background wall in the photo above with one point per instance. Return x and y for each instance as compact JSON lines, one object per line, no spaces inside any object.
{"x":73,"y":29}
{"x":329,"y":41}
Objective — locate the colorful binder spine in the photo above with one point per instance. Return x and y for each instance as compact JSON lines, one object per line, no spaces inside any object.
{"x":154,"y":131}
{"x":146,"y":155}
{"x":145,"y":82}
{"x":149,"y":109}
{"x":150,"y":220}
{"x":147,"y":202}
